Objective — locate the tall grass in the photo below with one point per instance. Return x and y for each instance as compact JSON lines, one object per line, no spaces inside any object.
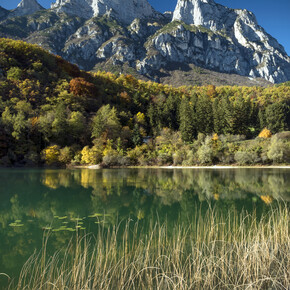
{"x":214,"y":251}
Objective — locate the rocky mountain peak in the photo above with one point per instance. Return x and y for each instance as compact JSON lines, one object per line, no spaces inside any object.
{"x":200,"y":33}
{"x":203,"y":12}
{"x":123,"y":10}
{"x":26,"y":7}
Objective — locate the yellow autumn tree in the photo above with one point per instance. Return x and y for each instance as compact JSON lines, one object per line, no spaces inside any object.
{"x":265,"y":133}
{"x":91,"y":155}
{"x":51,"y":154}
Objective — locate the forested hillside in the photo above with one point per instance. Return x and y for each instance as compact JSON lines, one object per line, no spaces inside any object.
{"x":53,"y":113}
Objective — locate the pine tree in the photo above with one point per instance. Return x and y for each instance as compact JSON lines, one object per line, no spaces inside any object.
{"x":204,"y":115}
{"x":277,"y":117}
{"x":187,"y":124}
{"x":218,"y":116}
{"x":136,"y":136}
{"x":60,"y":125}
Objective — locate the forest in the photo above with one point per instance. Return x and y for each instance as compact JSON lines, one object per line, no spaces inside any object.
{"x":54,"y":114}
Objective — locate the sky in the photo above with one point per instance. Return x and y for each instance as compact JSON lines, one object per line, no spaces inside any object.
{"x":273,"y":16}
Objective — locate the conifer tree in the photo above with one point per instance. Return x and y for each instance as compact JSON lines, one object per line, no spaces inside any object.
{"x":204,"y":115}
{"x":136,"y":136}
{"x":187,"y":126}
{"x":277,"y":117}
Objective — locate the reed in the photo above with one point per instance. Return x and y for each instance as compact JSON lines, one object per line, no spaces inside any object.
{"x":214,"y":251}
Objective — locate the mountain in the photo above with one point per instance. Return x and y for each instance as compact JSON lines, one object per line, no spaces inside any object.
{"x":201,"y":40}
{"x":125,"y":11}
{"x":26,"y":7}
{"x":256,"y":52}
{"x":3,"y":13}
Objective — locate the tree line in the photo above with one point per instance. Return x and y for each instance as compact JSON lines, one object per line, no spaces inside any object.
{"x":51,"y":112}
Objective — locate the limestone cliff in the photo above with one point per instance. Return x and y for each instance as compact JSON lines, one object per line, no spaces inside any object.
{"x":26,"y":7}
{"x":115,"y":34}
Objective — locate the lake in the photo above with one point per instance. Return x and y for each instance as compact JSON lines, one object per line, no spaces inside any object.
{"x":65,"y":202}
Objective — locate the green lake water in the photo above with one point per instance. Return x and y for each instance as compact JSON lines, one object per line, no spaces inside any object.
{"x":63,"y":202}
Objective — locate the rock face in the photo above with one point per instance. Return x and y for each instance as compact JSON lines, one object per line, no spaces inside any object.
{"x":123,"y":10}
{"x":119,"y":34}
{"x":204,"y":12}
{"x":3,"y":12}
{"x":26,"y":7}
{"x":256,"y":52}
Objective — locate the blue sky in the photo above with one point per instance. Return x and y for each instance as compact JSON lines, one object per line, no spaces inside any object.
{"x":274,"y":16}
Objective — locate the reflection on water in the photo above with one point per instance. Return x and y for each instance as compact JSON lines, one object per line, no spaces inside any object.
{"x":64,"y":201}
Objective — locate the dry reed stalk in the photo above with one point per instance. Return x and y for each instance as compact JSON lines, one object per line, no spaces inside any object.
{"x":213,"y":252}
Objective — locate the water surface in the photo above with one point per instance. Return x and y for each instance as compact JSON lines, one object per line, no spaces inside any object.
{"x":64,"y":202}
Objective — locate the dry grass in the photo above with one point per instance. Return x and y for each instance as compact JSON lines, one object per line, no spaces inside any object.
{"x":214,"y":252}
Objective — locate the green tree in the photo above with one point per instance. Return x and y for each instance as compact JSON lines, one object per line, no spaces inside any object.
{"x":20,"y":127}
{"x":14,"y":73}
{"x":277,"y":117}
{"x":77,"y":125}
{"x":107,"y":123}
{"x":60,"y":125}
{"x":218,"y":116}
{"x":187,"y":121}
{"x":204,"y":114}
{"x":7,"y":120}
{"x":136,"y":136}
{"x":171,"y":112}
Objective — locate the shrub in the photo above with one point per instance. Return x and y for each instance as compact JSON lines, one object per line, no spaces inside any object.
{"x":279,"y":151}
{"x":113,"y":158}
{"x":65,"y":155}
{"x":14,"y":73}
{"x":265,"y":133}
{"x":232,"y":138}
{"x":51,"y":154}
{"x":190,"y":159}
{"x":164,"y":159}
{"x":136,"y":154}
{"x":91,"y":155}
{"x":205,"y":154}
{"x":283,"y":135}
{"x":31,"y":158}
{"x":244,"y":157}
{"x":180,"y":155}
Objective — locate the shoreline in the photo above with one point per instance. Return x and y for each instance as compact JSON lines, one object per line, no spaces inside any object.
{"x":95,"y":167}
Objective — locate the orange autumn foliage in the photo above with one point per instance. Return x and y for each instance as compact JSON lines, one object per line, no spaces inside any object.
{"x":265,"y":133}
{"x":80,"y":87}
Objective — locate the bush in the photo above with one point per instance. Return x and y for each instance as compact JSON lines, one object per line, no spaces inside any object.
{"x":205,"y":154}
{"x":91,"y":155}
{"x":51,"y":154}
{"x":180,"y":155}
{"x":190,"y":159}
{"x":164,"y":159}
{"x":65,"y":155}
{"x":265,"y":133}
{"x":283,"y":135}
{"x":137,"y":154}
{"x":231,"y":138}
{"x":279,"y":151}
{"x":31,"y":158}
{"x":244,"y":157}
{"x":14,"y":73}
{"x":113,"y":158}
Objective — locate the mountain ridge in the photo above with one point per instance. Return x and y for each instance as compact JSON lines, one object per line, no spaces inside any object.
{"x":198,"y":32}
